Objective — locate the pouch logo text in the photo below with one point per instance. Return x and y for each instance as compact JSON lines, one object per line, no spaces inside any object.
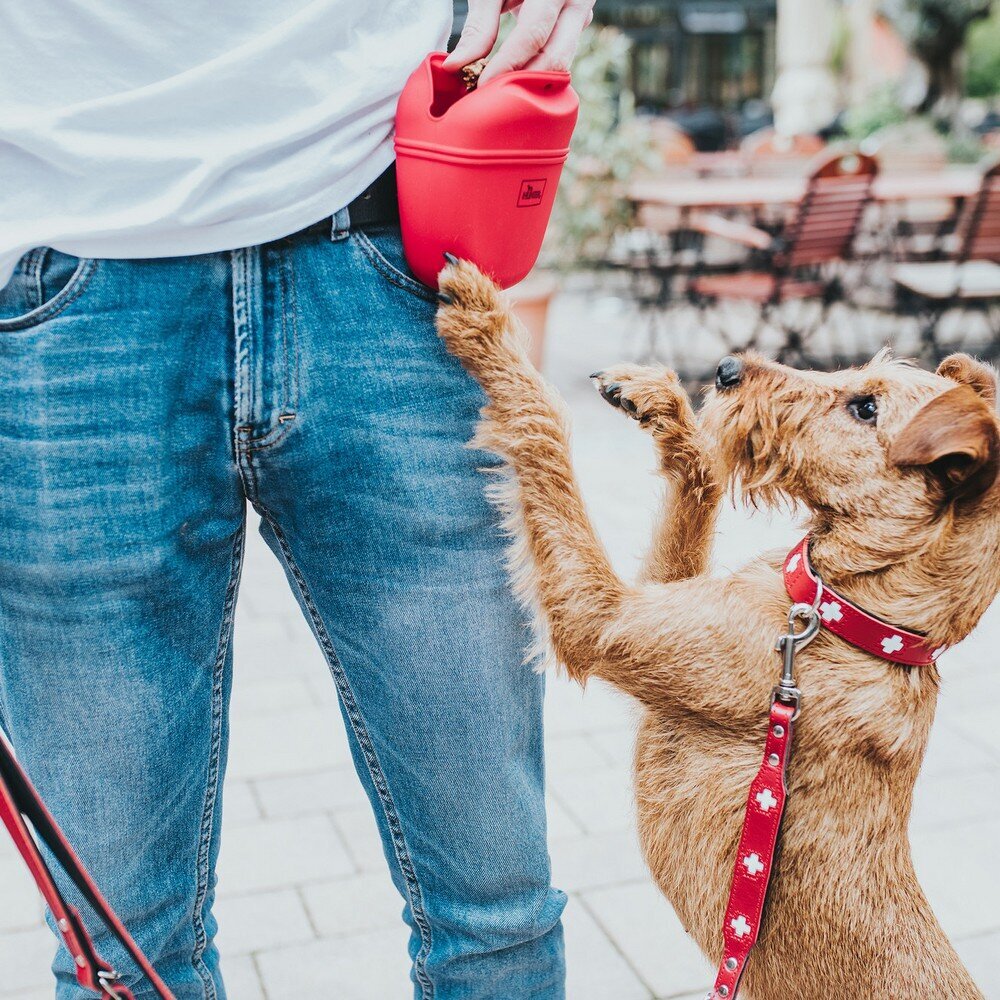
{"x":531,"y":193}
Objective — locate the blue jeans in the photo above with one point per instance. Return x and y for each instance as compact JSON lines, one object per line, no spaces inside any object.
{"x":142,"y":404}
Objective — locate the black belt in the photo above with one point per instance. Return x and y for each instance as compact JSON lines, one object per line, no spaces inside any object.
{"x":377,"y":204}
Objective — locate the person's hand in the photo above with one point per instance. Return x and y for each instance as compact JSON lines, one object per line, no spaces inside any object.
{"x":545,"y":37}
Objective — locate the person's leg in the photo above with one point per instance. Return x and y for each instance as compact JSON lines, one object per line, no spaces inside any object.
{"x":377,"y":508}
{"x":121,"y":533}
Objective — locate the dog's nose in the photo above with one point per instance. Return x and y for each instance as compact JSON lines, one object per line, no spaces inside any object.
{"x":729,"y":372}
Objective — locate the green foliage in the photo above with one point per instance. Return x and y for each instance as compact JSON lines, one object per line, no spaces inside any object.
{"x":935,"y":31}
{"x":610,"y":143}
{"x":982,"y":75}
{"x":881,"y":109}
{"x":932,"y":27}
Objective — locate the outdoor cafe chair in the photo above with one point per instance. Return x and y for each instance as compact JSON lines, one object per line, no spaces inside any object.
{"x":800,"y":263}
{"x":969,"y":281}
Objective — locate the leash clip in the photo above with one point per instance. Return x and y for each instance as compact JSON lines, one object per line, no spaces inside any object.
{"x":109,"y":980}
{"x":788,"y":644}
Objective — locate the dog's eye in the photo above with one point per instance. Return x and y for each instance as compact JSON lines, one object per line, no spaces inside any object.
{"x":864,"y":408}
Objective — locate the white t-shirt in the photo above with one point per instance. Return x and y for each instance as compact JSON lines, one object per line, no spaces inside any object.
{"x":155,"y":128}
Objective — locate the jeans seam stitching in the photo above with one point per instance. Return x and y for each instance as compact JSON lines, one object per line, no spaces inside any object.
{"x":36,"y":317}
{"x":36,"y":266}
{"x":296,"y":352}
{"x":212,"y":785}
{"x":392,"y":274}
{"x":371,"y":759}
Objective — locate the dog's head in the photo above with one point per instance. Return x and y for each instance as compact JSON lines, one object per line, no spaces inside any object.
{"x":889,"y":445}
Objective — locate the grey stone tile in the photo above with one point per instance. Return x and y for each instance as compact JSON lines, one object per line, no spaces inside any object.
{"x":648,"y":933}
{"x":956,"y":797}
{"x":306,"y":794}
{"x":360,"y":834}
{"x":239,"y":804}
{"x":600,"y":798}
{"x":252,"y":695}
{"x":241,"y":978}
{"x":617,"y":745}
{"x":572,"y":710}
{"x":280,"y":853}
{"x":595,"y":860}
{"x":560,"y":823}
{"x":286,"y":742}
{"x":370,"y":966}
{"x":981,"y":956}
{"x":957,"y":869}
{"x":595,"y":968}
{"x":26,"y":959}
{"x":949,"y":751}
{"x":360,"y":903}
{"x":982,"y":727}
{"x":21,"y":907}
{"x":573,"y":752}
{"x":256,"y":921}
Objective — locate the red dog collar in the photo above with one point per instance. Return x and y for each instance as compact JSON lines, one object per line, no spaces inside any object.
{"x":848,"y":621}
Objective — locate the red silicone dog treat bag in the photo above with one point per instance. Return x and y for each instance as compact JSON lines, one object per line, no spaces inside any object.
{"x":477,"y":170}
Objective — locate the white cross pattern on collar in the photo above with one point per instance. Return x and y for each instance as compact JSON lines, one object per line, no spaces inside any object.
{"x":892,"y":644}
{"x":753,"y":864}
{"x":830,"y":611}
{"x":766,"y":800}
{"x":793,"y":563}
{"x":740,"y":925}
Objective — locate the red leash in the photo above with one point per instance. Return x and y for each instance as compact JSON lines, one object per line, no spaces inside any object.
{"x":21,"y":804}
{"x":818,"y":606}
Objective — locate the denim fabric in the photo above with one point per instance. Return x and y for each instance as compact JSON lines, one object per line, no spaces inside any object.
{"x":142,"y":404}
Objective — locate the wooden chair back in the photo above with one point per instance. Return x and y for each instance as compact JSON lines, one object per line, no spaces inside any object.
{"x":830,"y":213}
{"x":979,"y":230}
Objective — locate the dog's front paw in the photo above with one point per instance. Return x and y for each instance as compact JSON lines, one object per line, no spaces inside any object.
{"x":651,"y":395}
{"x":472,"y":317}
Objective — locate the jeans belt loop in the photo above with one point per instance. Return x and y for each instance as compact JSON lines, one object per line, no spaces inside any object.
{"x":341,"y":226}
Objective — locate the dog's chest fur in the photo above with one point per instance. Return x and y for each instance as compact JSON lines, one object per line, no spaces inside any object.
{"x":854,"y":921}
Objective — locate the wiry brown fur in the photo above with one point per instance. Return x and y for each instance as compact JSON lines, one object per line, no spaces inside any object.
{"x":905,"y":522}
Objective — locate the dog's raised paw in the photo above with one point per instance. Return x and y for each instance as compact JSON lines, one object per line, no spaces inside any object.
{"x":463,"y":286}
{"x":644,"y":393}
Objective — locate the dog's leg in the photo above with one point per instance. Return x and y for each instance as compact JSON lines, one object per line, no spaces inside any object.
{"x":682,"y":541}
{"x":561,"y":564}
{"x":665,"y":644}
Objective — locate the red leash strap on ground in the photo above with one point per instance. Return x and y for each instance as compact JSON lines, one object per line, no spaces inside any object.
{"x":755,"y":854}
{"x":19,"y":802}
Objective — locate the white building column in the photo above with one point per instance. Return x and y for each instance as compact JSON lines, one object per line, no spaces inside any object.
{"x":805,"y":92}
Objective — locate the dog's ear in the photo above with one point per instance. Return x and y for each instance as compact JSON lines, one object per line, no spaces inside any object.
{"x":954,"y":438}
{"x":965,"y":370}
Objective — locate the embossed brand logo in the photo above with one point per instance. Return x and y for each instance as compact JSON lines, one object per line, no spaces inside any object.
{"x":531,"y":193}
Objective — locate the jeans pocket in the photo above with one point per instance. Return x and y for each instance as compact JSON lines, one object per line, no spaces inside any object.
{"x":45,"y":281}
{"x":382,"y":247}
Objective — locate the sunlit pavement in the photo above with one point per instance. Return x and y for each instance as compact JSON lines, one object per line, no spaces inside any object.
{"x":305,"y":905}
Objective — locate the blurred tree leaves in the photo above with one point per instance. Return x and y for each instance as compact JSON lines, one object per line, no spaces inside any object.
{"x":609,"y":145}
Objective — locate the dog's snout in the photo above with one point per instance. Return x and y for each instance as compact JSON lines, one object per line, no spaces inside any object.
{"x":729,"y":373}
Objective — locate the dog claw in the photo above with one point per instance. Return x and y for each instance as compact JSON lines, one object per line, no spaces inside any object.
{"x":596,"y":374}
{"x":445,"y":298}
{"x":627,"y":405}
{"x":450,"y":257}
{"x":612,"y":393}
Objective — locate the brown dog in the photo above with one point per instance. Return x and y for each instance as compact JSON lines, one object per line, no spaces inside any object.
{"x":898,"y":468}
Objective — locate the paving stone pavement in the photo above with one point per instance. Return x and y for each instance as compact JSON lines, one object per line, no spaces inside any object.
{"x":322,"y":920}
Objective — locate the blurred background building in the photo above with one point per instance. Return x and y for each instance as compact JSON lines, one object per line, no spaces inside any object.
{"x":707,"y":135}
